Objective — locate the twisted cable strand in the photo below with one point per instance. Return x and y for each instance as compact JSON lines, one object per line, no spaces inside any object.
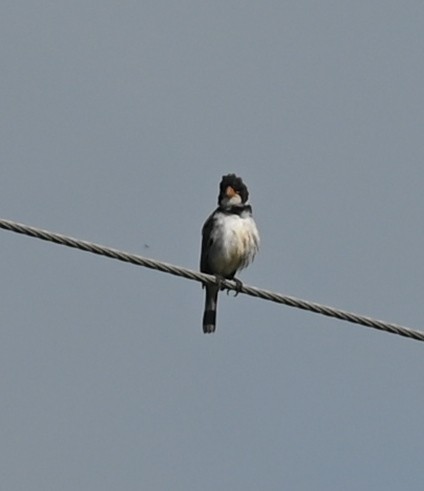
{"x":209,"y":279}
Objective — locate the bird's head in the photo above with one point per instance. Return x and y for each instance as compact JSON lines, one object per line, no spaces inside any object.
{"x":232,"y":191}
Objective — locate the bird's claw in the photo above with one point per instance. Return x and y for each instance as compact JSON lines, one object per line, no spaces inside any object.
{"x":239,"y":286}
{"x":237,"y":290}
{"x":219,"y":280}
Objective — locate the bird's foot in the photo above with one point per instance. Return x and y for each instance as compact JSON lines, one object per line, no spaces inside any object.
{"x":219,"y":280}
{"x":239,"y":286}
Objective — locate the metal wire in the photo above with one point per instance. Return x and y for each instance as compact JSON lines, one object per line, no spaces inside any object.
{"x":205,"y":278}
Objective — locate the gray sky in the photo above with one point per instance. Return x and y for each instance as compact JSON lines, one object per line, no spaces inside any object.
{"x":118,"y":121}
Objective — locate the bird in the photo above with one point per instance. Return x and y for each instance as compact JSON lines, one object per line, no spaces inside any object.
{"x":230,"y":241}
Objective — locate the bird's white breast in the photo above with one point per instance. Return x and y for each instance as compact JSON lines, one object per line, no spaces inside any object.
{"x":235,"y":242}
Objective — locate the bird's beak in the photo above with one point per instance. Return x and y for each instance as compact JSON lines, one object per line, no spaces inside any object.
{"x":230,"y":192}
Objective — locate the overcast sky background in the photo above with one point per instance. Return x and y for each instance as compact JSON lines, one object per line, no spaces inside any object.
{"x":118,"y":120}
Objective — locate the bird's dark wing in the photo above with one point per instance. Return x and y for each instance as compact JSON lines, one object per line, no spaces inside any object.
{"x":207,"y":241}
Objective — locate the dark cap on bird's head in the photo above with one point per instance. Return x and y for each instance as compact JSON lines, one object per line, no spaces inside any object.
{"x":232,"y":183}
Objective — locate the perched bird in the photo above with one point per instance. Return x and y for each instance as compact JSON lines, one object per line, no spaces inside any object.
{"x":230,"y":241}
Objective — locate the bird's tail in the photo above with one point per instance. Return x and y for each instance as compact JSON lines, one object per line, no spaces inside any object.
{"x":209,"y":315}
